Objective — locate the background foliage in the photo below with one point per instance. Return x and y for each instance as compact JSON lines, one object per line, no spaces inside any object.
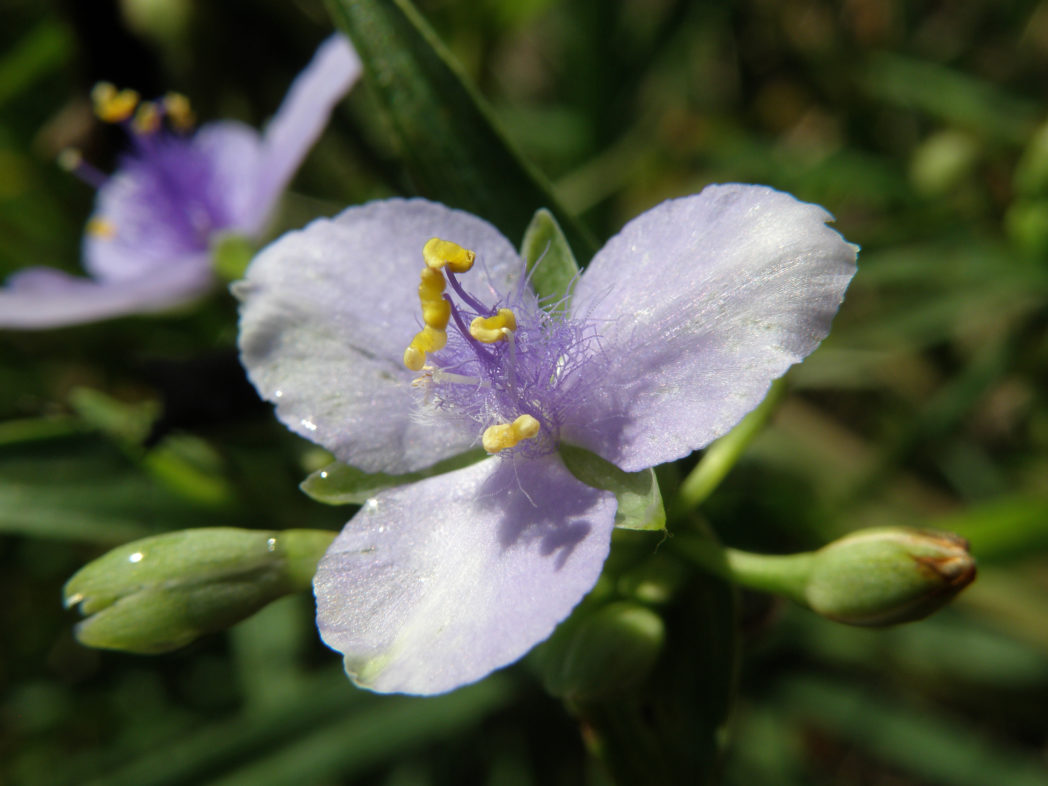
{"x":920,"y":126}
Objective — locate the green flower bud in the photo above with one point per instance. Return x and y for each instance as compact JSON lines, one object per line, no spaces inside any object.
{"x":886,"y":576}
{"x":942,"y":162}
{"x":160,"y":593}
{"x":600,"y":653}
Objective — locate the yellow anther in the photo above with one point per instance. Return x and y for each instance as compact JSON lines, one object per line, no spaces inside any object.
{"x":507,"y":435}
{"x":176,"y":107}
{"x":101,"y":228}
{"x":488,"y":330}
{"x":414,"y":359}
{"x":429,"y":339}
{"x":70,"y":159}
{"x":439,"y":253}
{"x":431,"y":286}
{"x":147,"y":118}
{"x":112,"y":105}
{"x":436,"y":313}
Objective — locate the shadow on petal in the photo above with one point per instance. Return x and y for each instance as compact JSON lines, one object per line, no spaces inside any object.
{"x":539,"y":501}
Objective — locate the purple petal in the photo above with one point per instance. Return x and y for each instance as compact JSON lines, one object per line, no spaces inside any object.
{"x":327,"y":313}
{"x":699,"y":304}
{"x":236,"y":155}
{"x":38,"y":298}
{"x":302,"y":117}
{"x":169,"y":200}
{"x":435,"y":585}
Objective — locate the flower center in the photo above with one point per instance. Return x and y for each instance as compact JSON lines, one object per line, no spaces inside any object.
{"x":509,"y":367}
{"x":167,"y":178}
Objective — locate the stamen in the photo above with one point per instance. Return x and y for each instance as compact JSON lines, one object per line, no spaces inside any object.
{"x":443,"y":253}
{"x":176,"y":107}
{"x":435,"y":314}
{"x":112,"y":105}
{"x":472,"y":302}
{"x":488,"y":330}
{"x":72,"y":161}
{"x":147,"y":118}
{"x":101,"y":228}
{"x":507,"y":435}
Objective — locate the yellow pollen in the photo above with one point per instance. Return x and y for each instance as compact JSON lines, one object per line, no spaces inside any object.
{"x":70,"y":159}
{"x":488,"y":330}
{"x":440,"y":253}
{"x":507,"y":435}
{"x":176,"y":107}
{"x":101,"y":228}
{"x":436,"y":312}
{"x":147,"y":118}
{"x":414,"y":359}
{"x":112,"y":105}
{"x":431,"y":286}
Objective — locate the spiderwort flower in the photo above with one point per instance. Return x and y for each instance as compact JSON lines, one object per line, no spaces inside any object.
{"x":148,"y":245}
{"x":673,"y":333}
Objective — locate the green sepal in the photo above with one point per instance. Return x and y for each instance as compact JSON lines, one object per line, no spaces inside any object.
{"x":160,"y":593}
{"x":230,"y":255}
{"x":550,"y":263}
{"x":341,"y":484}
{"x":640,"y":501}
{"x":445,"y":132}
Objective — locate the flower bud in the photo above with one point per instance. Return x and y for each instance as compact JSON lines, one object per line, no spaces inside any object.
{"x":887,"y":575}
{"x":602,"y":652}
{"x":160,"y":593}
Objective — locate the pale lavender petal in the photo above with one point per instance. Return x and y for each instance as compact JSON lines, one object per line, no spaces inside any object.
{"x":327,"y":313}
{"x":236,"y":155}
{"x":303,"y":115}
{"x":38,"y":298}
{"x":169,"y":200}
{"x":699,"y":304}
{"x":435,"y":585}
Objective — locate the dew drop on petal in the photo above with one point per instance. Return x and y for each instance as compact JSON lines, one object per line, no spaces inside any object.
{"x":309,"y":424}
{"x":371,"y":506}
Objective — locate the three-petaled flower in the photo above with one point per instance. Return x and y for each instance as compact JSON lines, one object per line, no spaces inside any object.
{"x":674,"y":331}
{"x":176,"y":193}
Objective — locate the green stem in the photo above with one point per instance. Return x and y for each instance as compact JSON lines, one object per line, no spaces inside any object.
{"x":722,"y":455}
{"x":780,"y":574}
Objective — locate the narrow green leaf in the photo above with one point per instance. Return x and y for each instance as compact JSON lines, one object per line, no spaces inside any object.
{"x":448,"y":140}
{"x":640,"y":502}
{"x":83,"y":488}
{"x":551,"y":265}
{"x":41,"y":51}
{"x":127,"y":423}
{"x":341,"y":484}
{"x":933,"y":747}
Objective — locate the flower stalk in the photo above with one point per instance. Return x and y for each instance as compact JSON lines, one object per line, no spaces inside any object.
{"x":873,"y":578}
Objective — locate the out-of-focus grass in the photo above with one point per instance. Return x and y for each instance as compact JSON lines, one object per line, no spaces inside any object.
{"x":918,"y":127}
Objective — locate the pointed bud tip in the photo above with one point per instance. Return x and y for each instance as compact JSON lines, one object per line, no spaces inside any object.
{"x":887,"y":576}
